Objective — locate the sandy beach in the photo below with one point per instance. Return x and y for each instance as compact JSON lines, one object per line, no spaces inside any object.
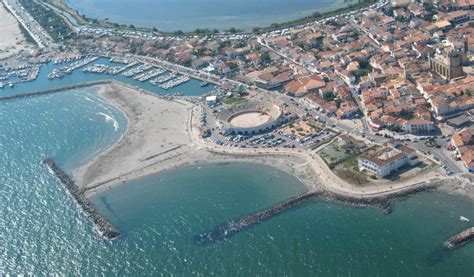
{"x":163,"y":134}
{"x":12,"y":40}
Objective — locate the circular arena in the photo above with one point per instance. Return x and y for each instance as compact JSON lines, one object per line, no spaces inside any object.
{"x":249,"y":118}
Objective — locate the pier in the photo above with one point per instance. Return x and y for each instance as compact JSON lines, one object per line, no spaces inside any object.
{"x":99,"y":222}
{"x":235,"y":226}
{"x":461,"y":238}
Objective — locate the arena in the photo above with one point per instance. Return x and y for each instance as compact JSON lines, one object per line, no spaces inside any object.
{"x":250,"y":118}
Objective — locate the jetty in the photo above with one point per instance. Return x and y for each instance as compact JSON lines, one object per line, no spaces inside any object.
{"x":461,"y":238}
{"x":235,"y":226}
{"x":55,"y":90}
{"x":99,"y":222}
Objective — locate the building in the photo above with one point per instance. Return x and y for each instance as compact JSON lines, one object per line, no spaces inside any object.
{"x":388,"y":159}
{"x":463,"y":145}
{"x":447,"y":64}
{"x":418,"y":126}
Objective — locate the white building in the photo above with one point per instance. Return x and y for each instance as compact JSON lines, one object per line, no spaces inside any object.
{"x":388,"y":159}
{"x":419,"y":126}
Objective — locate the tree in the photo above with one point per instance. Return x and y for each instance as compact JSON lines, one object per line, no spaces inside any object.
{"x":132,"y":26}
{"x":233,"y":30}
{"x":265,"y":57}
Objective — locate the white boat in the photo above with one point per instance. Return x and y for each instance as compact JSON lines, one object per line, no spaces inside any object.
{"x":462,"y":218}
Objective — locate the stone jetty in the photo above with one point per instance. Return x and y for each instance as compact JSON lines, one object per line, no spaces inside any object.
{"x":54,"y":90}
{"x":99,"y":222}
{"x":235,"y":226}
{"x":461,"y":238}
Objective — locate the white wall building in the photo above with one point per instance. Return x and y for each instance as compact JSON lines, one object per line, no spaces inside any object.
{"x":388,"y":159}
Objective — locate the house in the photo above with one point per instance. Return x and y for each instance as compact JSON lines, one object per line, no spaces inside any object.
{"x":304,"y":85}
{"x":463,"y":144}
{"x":351,"y":142}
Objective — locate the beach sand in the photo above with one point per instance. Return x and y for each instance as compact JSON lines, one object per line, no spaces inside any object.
{"x":12,"y":40}
{"x":163,"y":134}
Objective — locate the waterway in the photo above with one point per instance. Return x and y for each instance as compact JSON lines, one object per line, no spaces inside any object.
{"x":187,"y":15}
{"x":42,"y":232}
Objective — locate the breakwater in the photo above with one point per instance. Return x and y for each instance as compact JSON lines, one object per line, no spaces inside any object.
{"x":99,"y":222}
{"x":461,"y":238}
{"x":235,"y":226}
{"x":54,"y":90}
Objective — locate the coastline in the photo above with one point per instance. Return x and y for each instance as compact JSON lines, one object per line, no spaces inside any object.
{"x":140,"y":153}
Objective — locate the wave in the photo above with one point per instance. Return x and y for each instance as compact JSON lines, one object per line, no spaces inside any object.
{"x":108,"y":118}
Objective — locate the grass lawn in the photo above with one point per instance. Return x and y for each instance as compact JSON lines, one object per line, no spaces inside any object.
{"x":349,"y":172}
{"x":235,"y":100}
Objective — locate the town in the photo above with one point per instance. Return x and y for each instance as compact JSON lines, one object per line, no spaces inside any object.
{"x":382,"y":93}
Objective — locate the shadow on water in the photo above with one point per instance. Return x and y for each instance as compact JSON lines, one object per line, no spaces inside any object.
{"x":236,"y":226}
{"x":107,"y":206}
{"x":438,"y":255}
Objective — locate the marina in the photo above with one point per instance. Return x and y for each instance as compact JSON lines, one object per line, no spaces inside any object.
{"x":51,"y":74}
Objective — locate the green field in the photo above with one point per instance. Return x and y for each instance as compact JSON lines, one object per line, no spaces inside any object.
{"x":235,"y":100}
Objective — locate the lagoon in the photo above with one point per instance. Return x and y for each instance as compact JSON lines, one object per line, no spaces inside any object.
{"x":187,"y":15}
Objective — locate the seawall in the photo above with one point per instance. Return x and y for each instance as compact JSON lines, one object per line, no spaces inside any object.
{"x":235,"y":226}
{"x":99,"y":222}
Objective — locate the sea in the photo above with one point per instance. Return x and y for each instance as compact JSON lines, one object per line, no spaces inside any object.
{"x":43,"y":233}
{"x":187,"y":15}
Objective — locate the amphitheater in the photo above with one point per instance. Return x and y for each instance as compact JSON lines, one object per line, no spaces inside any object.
{"x":250,"y":118}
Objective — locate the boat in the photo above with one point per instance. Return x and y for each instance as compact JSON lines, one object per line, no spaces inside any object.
{"x":462,"y":218}
{"x":204,"y":84}
{"x":1,"y":85}
{"x":11,"y":85}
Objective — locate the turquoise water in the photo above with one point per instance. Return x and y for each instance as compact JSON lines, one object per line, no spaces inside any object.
{"x":171,"y":15}
{"x":42,"y":232}
{"x":191,"y":88}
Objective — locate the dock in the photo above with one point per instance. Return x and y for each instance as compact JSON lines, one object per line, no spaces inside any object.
{"x":106,"y":230}
{"x":233,"y":227}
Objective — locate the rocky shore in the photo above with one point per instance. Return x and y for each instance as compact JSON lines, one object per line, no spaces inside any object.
{"x":382,"y":201}
{"x":99,"y":222}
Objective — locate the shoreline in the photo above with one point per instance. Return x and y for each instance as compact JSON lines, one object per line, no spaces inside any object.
{"x":124,"y":161}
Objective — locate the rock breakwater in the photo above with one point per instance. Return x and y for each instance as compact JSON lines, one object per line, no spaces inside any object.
{"x":99,"y":222}
{"x":235,"y":226}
